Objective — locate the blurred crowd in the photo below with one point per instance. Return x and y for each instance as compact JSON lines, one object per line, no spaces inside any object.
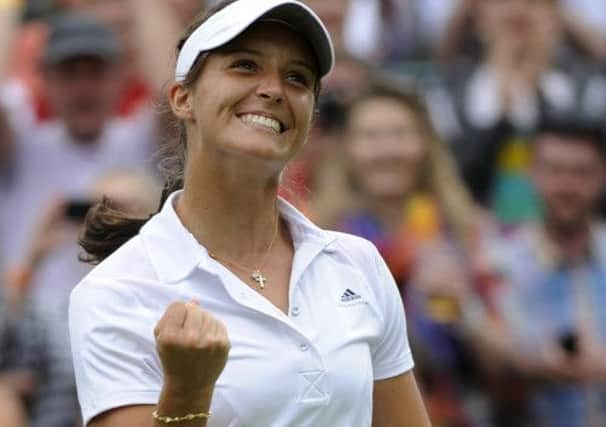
{"x":465,"y":138}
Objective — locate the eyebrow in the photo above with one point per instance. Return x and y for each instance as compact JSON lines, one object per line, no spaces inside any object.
{"x":235,"y":50}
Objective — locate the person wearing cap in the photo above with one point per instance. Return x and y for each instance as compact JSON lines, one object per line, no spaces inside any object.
{"x":83,"y":141}
{"x":228,"y":307}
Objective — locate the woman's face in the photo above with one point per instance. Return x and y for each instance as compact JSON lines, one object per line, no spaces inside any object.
{"x":386,"y":149}
{"x":255,"y":96}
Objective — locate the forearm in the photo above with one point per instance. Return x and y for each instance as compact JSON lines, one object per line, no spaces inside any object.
{"x":157,"y":31}
{"x":10,"y":10}
{"x":590,"y":40}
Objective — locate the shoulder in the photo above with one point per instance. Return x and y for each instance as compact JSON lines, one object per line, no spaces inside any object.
{"x":117,"y":276}
{"x":128,"y":261}
{"x":359,"y":249}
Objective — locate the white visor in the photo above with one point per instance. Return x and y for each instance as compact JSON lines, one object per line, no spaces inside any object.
{"x":233,"y":20}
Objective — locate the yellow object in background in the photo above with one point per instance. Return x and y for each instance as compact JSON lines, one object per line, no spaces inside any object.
{"x":515,"y":156}
{"x":422,"y":218}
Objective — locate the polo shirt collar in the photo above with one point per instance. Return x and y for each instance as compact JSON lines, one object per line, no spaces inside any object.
{"x":175,"y":253}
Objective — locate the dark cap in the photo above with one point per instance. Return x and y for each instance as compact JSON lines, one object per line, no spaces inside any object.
{"x":75,"y":35}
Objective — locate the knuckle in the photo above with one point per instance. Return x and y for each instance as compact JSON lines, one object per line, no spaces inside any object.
{"x":165,"y":339}
{"x":192,"y":339}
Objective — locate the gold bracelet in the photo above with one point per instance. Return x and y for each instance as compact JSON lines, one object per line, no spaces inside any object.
{"x":188,"y":417}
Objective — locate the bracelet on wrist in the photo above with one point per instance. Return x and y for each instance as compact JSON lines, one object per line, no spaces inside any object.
{"x":188,"y":417}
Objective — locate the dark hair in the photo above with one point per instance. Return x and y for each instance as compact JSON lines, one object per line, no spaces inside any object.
{"x":105,"y":228}
{"x":574,"y":128}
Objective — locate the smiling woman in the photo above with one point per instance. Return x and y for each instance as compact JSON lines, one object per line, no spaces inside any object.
{"x":218,"y":304}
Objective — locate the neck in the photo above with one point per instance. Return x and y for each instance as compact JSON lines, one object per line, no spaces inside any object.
{"x":230,"y":210}
{"x":573,"y":240}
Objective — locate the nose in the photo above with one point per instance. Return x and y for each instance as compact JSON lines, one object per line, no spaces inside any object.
{"x":270,"y":88}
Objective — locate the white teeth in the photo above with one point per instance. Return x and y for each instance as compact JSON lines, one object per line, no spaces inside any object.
{"x":263,"y":121}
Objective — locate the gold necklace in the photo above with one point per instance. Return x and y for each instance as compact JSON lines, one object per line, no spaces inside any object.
{"x":257,"y":275}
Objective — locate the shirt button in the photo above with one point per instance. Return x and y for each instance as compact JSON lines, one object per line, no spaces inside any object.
{"x":303,"y":347}
{"x":295,"y":311}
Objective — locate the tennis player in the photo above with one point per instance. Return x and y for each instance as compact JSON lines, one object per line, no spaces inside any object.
{"x":228,"y":307}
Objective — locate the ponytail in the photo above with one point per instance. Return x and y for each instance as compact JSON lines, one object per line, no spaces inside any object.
{"x":106,"y":228}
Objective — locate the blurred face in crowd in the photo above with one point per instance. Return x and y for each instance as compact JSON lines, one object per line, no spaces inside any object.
{"x":569,"y":177}
{"x":533,"y":21}
{"x":82,"y":92}
{"x":116,"y":14}
{"x":386,"y":149}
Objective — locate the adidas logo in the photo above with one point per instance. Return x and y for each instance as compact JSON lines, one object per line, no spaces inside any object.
{"x":349,"y":296}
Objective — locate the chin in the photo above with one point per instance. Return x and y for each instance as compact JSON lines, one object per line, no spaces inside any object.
{"x":264,"y":148}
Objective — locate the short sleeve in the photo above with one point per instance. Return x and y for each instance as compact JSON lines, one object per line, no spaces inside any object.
{"x":113,"y":349}
{"x":392,"y":355}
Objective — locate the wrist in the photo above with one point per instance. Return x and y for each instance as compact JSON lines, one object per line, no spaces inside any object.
{"x":175,"y":402}
{"x":184,"y":394}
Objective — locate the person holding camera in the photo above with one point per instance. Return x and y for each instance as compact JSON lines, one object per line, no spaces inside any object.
{"x":551,"y":323}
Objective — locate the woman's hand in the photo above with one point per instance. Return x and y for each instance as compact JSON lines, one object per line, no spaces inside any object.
{"x":193,"y":348}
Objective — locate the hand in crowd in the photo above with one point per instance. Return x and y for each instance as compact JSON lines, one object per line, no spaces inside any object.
{"x":193,"y":348}
{"x":439,"y":272}
{"x":440,"y":277}
{"x":22,"y":382}
{"x":54,"y":228}
{"x":586,"y":365}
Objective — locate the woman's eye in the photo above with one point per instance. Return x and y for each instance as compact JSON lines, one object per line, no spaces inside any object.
{"x":298,"y":78}
{"x":246,"y":65}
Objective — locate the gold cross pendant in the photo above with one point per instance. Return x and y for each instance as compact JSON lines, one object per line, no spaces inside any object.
{"x":258,"y":277}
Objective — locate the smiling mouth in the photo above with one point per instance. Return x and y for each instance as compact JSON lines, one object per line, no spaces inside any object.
{"x":264,"y":122}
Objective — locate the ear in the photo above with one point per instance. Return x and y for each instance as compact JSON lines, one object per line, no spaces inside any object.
{"x":180,"y":99}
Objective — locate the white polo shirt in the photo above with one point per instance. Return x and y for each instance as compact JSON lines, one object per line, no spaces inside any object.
{"x":313,"y":367}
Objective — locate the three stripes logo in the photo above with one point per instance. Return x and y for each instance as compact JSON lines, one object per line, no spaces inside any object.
{"x":349,"y":296}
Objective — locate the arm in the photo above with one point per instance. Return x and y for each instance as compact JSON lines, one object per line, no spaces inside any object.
{"x":157,"y":31}
{"x":398,"y":403}
{"x":10,"y":10}
{"x":590,"y":40}
{"x":192,"y":347}
{"x":171,"y":403}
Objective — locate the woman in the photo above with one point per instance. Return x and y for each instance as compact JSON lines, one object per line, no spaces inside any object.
{"x":239,"y":286}
{"x":403,"y":194}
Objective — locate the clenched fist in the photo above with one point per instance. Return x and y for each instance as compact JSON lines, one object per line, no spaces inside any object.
{"x":193,"y":347}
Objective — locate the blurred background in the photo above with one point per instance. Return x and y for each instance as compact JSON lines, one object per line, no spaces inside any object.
{"x":465,"y":138}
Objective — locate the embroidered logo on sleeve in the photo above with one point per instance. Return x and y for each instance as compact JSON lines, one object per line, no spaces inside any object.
{"x":349,"y":296}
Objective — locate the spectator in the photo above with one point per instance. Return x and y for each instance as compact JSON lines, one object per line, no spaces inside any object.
{"x":69,"y":153}
{"x":488,"y":112}
{"x":403,"y":193}
{"x":143,"y":28}
{"x":552,"y":327}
